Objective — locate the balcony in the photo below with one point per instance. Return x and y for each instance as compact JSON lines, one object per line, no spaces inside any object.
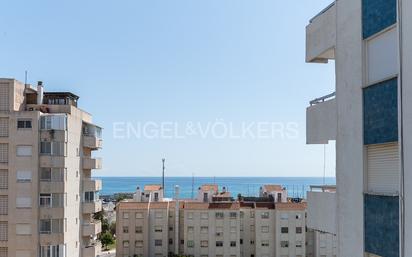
{"x":92,"y":142}
{"x":92,"y":207}
{"x":90,"y":185}
{"x":51,"y":161}
{"x":322,"y":207}
{"x":92,"y":229}
{"x":52,"y":187}
{"x":321,"y":120}
{"x":92,"y":163}
{"x":92,"y":250}
{"x":321,"y":36}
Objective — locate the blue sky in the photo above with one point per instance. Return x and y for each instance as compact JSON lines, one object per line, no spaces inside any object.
{"x":177,"y":61}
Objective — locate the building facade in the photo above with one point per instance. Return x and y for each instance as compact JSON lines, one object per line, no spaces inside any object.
{"x":216,"y":229}
{"x":47,"y":195}
{"x":369,"y":117}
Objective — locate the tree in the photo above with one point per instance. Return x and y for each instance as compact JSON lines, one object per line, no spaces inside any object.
{"x":112,"y":228}
{"x":106,"y":239}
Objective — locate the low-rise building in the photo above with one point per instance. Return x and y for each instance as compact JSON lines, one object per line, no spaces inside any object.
{"x":199,"y":228}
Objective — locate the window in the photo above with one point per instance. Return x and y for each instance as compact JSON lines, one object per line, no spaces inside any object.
{"x":219,"y":243}
{"x":4,"y":153}
{"x":204,"y":243}
{"x":53,"y":122}
{"x":54,"y":148}
{"x":23,"y":202}
{"x":24,"y":124}
{"x":190,"y":243}
{"x":252,"y":228}
{"x":158,"y":229}
{"x":190,"y":229}
{"x":242,"y":214}
{"x":284,"y":216}
{"x":24,"y":150}
{"x":204,"y":230}
{"x":298,"y":244}
{"x":265,"y":243}
{"x":265,"y":229}
{"x":23,"y":229}
{"x":298,"y":216}
{"x":252,"y":242}
{"x":139,"y":229}
{"x":298,"y":230}
{"x":265,"y":215}
{"x":219,"y":215}
{"x":125,"y":215}
{"x":4,"y":179}
{"x":190,"y":215}
{"x":232,"y":243}
{"x":139,"y":215}
{"x":4,"y":231}
{"x":284,"y":230}
{"x":52,"y":174}
{"x":23,"y":176}
{"x":138,"y":244}
{"x":233,"y":229}
{"x":241,"y":241}
{"x":126,"y":244}
{"x":159,"y":215}
{"x":45,"y":200}
{"x":252,"y":214}
{"x":170,"y":241}
{"x":233,"y":215}
{"x":93,"y":196}
{"x":170,"y":229}
{"x":45,"y":226}
{"x":4,"y":127}
{"x":284,"y":244}
{"x":158,"y":242}
{"x":4,"y":204}
{"x":53,"y":251}
{"x":125,"y":229}
{"x":204,"y":215}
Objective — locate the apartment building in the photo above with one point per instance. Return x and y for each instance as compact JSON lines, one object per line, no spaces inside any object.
{"x":47,"y":196}
{"x":369,"y":117}
{"x":200,"y":228}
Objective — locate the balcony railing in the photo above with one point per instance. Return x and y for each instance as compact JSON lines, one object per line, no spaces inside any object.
{"x":322,"y":99}
{"x":92,"y":163}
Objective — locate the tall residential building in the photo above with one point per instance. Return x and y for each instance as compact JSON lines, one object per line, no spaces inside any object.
{"x":47,"y":195}
{"x":370,"y":118}
{"x":218,"y":228}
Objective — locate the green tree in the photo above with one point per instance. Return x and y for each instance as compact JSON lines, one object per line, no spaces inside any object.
{"x":106,"y":239}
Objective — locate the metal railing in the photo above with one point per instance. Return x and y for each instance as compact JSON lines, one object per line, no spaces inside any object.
{"x":322,"y":99}
{"x":323,"y":188}
{"x":322,"y":12}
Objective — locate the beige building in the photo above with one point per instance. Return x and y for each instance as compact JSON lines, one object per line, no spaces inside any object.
{"x":47,"y":196}
{"x":215,"y":229}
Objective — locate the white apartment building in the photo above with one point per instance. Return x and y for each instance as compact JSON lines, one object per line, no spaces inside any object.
{"x":370,"y":118}
{"x":47,"y":196}
{"x":223,"y":229}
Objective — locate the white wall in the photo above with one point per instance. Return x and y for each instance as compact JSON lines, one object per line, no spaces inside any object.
{"x":322,"y":211}
{"x":349,"y":145}
{"x":321,"y":122}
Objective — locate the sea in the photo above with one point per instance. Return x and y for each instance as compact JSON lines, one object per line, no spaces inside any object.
{"x":246,"y":186}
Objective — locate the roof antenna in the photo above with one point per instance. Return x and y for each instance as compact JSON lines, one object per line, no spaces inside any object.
{"x":193,"y":184}
{"x":324,"y":164}
{"x":163,"y":176}
{"x":25,"y":77}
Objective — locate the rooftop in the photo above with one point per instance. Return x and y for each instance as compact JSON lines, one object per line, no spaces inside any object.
{"x":271,"y":188}
{"x":152,"y":187}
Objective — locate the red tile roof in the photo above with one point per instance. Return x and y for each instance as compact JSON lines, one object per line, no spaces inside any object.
{"x":272,"y":188}
{"x":152,"y":187}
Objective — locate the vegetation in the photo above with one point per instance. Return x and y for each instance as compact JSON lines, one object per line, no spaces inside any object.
{"x":107,"y":240}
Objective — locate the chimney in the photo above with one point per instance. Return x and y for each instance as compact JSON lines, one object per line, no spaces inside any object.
{"x":177,"y":190}
{"x":40,"y":92}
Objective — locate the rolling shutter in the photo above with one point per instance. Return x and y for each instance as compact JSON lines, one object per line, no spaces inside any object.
{"x":383,"y":168}
{"x":4,"y":96}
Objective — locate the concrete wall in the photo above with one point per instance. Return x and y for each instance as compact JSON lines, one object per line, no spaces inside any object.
{"x":322,"y":211}
{"x":406,"y":139}
{"x":321,"y":37}
{"x":349,"y":145}
{"x":321,"y":122}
